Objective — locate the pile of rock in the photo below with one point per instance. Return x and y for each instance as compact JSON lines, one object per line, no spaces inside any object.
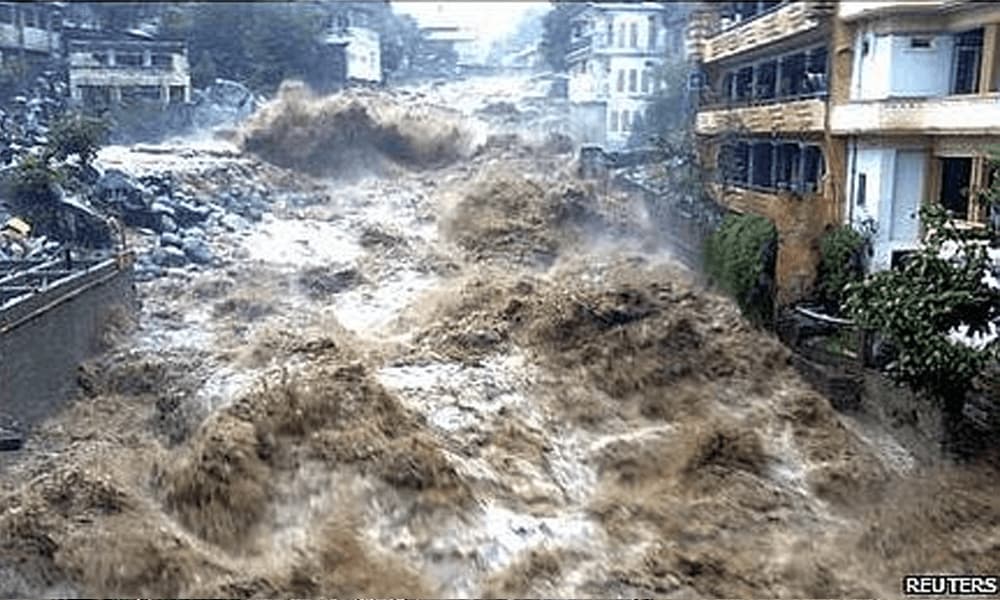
{"x":176,"y":221}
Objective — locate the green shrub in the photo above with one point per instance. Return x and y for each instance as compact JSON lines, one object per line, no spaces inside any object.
{"x":739,"y":260}
{"x":77,"y":134}
{"x":33,"y":192}
{"x":918,"y":306}
{"x":841,"y":263}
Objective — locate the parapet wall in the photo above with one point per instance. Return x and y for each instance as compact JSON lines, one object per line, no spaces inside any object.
{"x":44,"y":337}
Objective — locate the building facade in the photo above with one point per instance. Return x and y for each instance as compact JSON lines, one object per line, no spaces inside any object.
{"x":615,"y":63}
{"x":107,"y":72}
{"x":918,"y":115}
{"x":819,"y":113}
{"x":29,"y":30}
{"x":356,"y":44}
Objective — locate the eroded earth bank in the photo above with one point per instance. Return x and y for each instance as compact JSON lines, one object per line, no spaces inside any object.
{"x":439,"y":364}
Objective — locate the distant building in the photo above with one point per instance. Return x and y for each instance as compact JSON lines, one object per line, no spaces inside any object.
{"x":441,"y":49}
{"x":29,"y":31}
{"x":110,"y":72}
{"x":528,"y":59}
{"x":355,"y":45}
{"x":615,"y":65}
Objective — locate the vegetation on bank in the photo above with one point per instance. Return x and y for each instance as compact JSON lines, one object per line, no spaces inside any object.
{"x":941,"y":288}
{"x":740,"y":259}
{"x":34,"y":185}
{"x":841,"y":263}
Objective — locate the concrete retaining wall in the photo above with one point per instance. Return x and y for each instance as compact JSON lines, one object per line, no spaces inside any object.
{"x":46,"y":336}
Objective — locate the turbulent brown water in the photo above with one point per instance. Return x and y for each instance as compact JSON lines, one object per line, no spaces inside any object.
{"x":482,"y":378}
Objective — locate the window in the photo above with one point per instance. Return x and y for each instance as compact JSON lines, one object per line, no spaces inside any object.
{"x":610,"y":39}
{"x":955,"y":177}
{"x":766,"y":80}
{"x":621,"y":80}
{"x":651,"y":33}
{"x":812,"y":168}
{"x":744,"y":81}
{"x":176,"y":94}
{"x":734,"y":160}
{"x":633,"y":35}
{"x":621,"y":35}
{"x":30,"y":17}
{"x":762,"y":161}
{"x":140,"y":93}
{"x":793,"y":75}
{"x":128,"y":59}
{"x":613,"y":125}
{"x":633,"y":80}
{"x":815,"y":82}
{"x":861,"y":193}
{"x":625,"y":120}
{"x":865,"y":47}
{"x":162,"y":61}
{"x":967,"y":58}
{"x":726,"y":91}
{"x":786,"y":175}
{"x":921,"y":43}
{"x":646,"y":77}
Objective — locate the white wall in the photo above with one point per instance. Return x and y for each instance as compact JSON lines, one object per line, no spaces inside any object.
{"x":626,"y":64}
{"x":618,"y":137}
{"x":879,"y":166}
{"x":628,"y":18}
{"x":892,"y":69}
{"x":921,"y":72}
{"x":364,"y":57}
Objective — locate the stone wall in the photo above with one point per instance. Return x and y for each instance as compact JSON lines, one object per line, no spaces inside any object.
{"x":44,"y":339}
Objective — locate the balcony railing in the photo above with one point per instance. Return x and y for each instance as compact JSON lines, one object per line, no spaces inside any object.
{"x":782,"y":22}
{"x":804,"y":115}
{"x":712,"y":102}
{"x":972,"y":114}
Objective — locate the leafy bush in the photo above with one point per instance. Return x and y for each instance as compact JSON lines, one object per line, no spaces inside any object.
{"x":34,"y":193}
{"x":77,"y":134}
{"x":841,"y":263}
{"x":739,"y":259}
{"x":916,"y":307}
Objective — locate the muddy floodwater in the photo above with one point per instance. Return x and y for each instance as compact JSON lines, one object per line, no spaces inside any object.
{"x":439,"y":366}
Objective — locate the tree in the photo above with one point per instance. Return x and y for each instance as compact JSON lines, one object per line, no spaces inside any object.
{"x":557,"y":32}
{"x":739,"y":259}
{"x":841,"y":263}
{"x":34,"y":193}
{"x":940,"y":288}
{"x":77,"y":134}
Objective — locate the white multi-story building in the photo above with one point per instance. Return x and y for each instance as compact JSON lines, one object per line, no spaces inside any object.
{"x":615,"y":63}
{"x":360,"y":55}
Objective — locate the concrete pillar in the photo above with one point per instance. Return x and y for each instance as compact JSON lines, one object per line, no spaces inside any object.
{"x":111,"y":57}
{"x":988,"y":71}
{"x":147,"y":58}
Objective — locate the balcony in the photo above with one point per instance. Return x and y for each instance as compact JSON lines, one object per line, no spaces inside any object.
{"x":32,"y":39}
{"x":961,"y":115}
{"x":850,"y":11}
{"x":797,"y":116}
{"x":786,"y":21}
